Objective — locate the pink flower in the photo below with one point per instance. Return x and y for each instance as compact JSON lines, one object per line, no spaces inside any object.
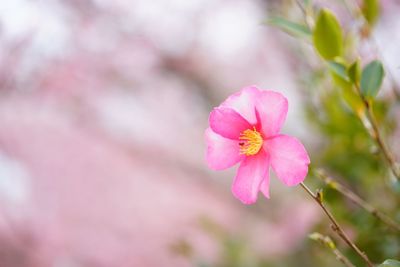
{"x":245,"y":128}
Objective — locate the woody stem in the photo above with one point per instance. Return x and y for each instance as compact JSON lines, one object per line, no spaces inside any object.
{"x":336,"y":227}
{"x":334,"y":184}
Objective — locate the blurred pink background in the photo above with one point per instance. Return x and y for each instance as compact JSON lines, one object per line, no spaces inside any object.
{"x":103,"y":107}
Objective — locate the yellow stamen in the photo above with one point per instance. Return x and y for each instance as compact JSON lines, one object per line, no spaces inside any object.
{"x":252,"y":142}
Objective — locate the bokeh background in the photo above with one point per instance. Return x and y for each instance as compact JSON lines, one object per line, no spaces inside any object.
{"x":103,"y":107}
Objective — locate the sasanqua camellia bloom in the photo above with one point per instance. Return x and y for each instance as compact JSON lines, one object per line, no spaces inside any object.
{"x":245,"y":128}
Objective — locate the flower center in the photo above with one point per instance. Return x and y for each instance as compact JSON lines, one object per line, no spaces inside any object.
{"x":250,"y":142}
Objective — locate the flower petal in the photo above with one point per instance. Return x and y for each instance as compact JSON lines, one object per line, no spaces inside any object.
{"x":264,"y":188}
{"x":289,"y":158}
{"x":244,"y":103}
{"x":228,"y":123}
{"x":251,"y":173}
{"x":222,"y":153}
{"x":271,"y":110}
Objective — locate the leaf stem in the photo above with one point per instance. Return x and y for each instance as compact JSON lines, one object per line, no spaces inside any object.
{"x":370,"y":115}
{"x":377,"y":136}
{"x":336,"y":227}
{"x":374,"y":132}
{"x":327,"y":241}
{"x":334,"y":184}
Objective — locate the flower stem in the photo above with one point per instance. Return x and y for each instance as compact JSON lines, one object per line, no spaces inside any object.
{"x":376,"y":135}
{"x":370,"y":123}
{"x":336,"y":227}
{"x":327,"y":241}
{"x":329,"y":181}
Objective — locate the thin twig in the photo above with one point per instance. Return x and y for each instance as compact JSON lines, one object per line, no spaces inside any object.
{"x":308,"y":18}
{"x":377,"y":136}
{"x":374,"y":131}
{"x":356,"y":11}
{"x":334,"y":184}
{"x":327,"y":241}
{"x":370,"y":123}
{"x":336,"y":227}
{"x":300,"y":5}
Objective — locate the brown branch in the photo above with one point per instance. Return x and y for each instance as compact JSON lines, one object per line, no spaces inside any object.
{"x":327,"y":241}
{"x":370,"y":123}
{"x":374,"y":131}
{"x":336,"y":227}
{"x":379,"y":140}
{"x":355,"y":11}
{"x":334,"y":184}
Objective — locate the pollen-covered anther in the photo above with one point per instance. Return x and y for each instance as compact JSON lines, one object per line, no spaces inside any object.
{"x":250,"y":142}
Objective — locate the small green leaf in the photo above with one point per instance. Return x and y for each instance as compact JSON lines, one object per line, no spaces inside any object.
{"x":290,"y":27}
{"x":354,"y":72}
{"x":341,"y":79}
{"x":325,"y":240}
{"x":339,"y":69}
{"x":320,"y":195}
{"x":327,"y":35}
{"x":371,"y":10}
{"x":371,"y":79}
{"x":390,"y":263}
{"x":316,"y":236}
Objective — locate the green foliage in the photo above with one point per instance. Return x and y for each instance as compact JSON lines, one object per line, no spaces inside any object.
{"x":327,"y":35}
{"x":336,"y":114}
{"x":290,"y":27}
{"x":347,"y":139}
{"x":370,"y":10}
{"x":390,"y":263}
{"x":371,"y":79}
{"x":348,"y":153}
{"x":354,"y":72}
{"x":341,"y":78}
{"x":339,"y":69}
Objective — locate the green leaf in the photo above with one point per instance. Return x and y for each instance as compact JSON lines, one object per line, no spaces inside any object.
{"x":339,"y":73}
{"x":327,"y":35}
{"x":326,"y":240}
{"x":371,"y":79}
{"x":315,"y":236}
{"x":290,"y":27}
{"x":371,"y":10}
{"x":354,"y":72}
{"x":339,"y":69}
{"x":390,"y":263}
{"x":320,"y":195}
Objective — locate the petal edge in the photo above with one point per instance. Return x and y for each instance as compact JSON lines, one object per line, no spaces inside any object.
{"x":222,"y":153}
{"x":244,"y":102}
{"x":249,"y":177}
{"x":289,"y":159}
{"x":228,"y":123}
{"x":271,"y":110}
